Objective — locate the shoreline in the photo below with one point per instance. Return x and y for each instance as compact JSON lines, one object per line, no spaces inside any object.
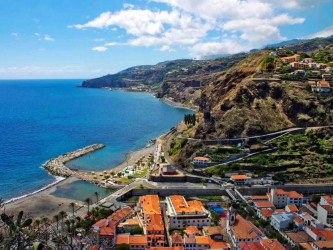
{"x":41,"y":202}
{"x":178,"y":104}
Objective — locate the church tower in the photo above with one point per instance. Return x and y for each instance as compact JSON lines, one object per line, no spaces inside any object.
{"x":232,"y":216}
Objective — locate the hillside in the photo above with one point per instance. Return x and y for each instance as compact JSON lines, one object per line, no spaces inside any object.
{"x":180,"y":80}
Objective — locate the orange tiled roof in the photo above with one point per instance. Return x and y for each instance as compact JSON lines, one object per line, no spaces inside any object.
{"x":202,"y":240}
{"x":155,"y":223}
{"x":280,"y":191}
{"x":251,"y":246}
{"x":292,"y":208}
{"x":239,"y":177}
{"x":180,"y":205}
{"x":259,"y":197}
{"x":216,"y":230}
{"x":294,"y":194}
{"x":166,"y":248}
{"x":150,"y":204}
{"x":272,"y":244}
{"x":177,"y":238}
{"x":260,"y":204}
{"x":324,"y":84}
{"x":266,"y":212}
{"x":192,"y":230}
{"x":306,"y":246}
{"x":298,"y":220}
{"x":244,"y":229}
{"x":218,"y":245}
{"x":200,"y":158}
{"x":280,"y":210}
{"x":131,"y":239}
{"x":324,"y":244}
{"x":328,"y":234}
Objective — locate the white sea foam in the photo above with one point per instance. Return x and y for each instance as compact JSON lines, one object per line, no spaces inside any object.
{"x":57,"y":180}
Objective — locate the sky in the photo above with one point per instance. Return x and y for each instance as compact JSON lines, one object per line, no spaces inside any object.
{"x":82,"y":39}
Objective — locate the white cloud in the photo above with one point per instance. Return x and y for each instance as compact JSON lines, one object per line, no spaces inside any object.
{"x":214,"y":48}
{"x":14,"y":34}
{"x":48,"y":38}
{"x":166,"y":48}
{"x":37,"y":34}
{"x":100,"y":48}
{"x":99,"y":40}
{"x":189,"y":22}
{"x":323,"y":33}
{"x":128,"y":6}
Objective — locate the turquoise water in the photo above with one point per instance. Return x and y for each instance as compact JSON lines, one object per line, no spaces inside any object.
{"x":41,"y":119}
{"x":73,"y":191}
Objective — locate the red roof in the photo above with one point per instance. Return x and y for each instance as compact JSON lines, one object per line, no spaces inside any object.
{"x":292,"y":208}
{"x":272,"y":244}
{"x":324,"y":84}
{"x":263,"y":204}
{"x":239,"y":177}
{"x":298,"y":220}
{"x":294,"y":194}
{"x":251,"y":246}
{"x":267,"y":213}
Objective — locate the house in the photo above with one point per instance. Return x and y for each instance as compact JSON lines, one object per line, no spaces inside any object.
{"x":307,"y":60}
{"x":299,"y":223}
{"x":291,"y":208}
{"x":256,"y":198}
{"x":314,"y":87}
{"x":192,"y":231}
{"x":239,"y":179}
{"x":216,"y":232}
{"x":271,"y":244}
{"x":176,"y":240}
{"x":299,"y":65}
{"x":166,"y":248}
{"x":289,"y":59}
{"x":136,"y":242}
{"x":281,"y":221}
{"x":251,"y":246}
{"x":264,"y":204}
{"x":200,"y":160}
{"x":298,"y":237}
{"x":167,"y":169}
{"x":325,"y":210}
{"x":324,"y":86}
{"x":281,"y":198}
{"x":327,"y":77}
{"x":300,"y":72}
{"x":265,"y":213}
{"x":150,"y":217}
{"x":128,"y":225}
{"x":322,"y":245}
{"x":182,"y":213}
{"x":241,"y":230}
{"x":104,"y":231}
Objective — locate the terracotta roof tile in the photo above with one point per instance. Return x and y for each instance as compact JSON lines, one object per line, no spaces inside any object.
{"x":239,"y":177}
{"x":292,"y":208}
{"x":264,"y":204}
{"x":244,"y":229}
{"x":272,"y":244}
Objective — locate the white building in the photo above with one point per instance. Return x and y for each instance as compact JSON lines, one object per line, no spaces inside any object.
{"x":282,"y":221}
{"x":182,"y":213}
{"x":325,"y":210}
{"x":281,"y":198}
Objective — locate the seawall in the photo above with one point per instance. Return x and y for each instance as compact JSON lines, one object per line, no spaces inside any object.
{"x":56,"y":166}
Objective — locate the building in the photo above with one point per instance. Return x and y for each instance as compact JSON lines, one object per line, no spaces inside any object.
{"x":256,"y":198}
{"x":104,"y":231}
{"x":150,"y":216}
{"x":324,"y":86}
{"x":291,"y":208}
{"x":289,"y":59}
{"x":271,"y":244}
{"x":136,"y":242}
{"x":201,"y":160}
{"x":322,"y":245}
{"x":281,"y":198}
{"x":325,"y":210}
{"x":128,"y":225}
{"x":182,"y":213}
{"x":264,"y":204}
{"x":167,"y":169}
{"x":239,"y":179}
{"x":281,"y":221}
{"x":241,"y":230}
{"x":216,"y":232}
{"x":265,"y":214}
{"x":204,"y":243}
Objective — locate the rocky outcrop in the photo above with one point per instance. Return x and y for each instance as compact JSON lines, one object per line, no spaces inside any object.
{"x":56,"y":166}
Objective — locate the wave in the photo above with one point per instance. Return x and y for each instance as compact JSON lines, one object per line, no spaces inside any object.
{"x":57,"y":180}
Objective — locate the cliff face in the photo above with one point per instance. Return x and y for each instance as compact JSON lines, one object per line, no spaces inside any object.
{"x":236,"y":105}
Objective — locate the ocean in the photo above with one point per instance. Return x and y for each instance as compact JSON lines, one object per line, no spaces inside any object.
{"x":41,"y":119}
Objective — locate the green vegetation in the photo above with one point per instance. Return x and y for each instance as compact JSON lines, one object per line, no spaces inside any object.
{"x":141,"y":173}
{"x":122,"y":247}
{"x":323,"y":56}
{"x":219,"y":153}
{"x":176,"y":146}
{"x":189,"y":119}
{"x":297,"y":158}
{"x":267,"y":64}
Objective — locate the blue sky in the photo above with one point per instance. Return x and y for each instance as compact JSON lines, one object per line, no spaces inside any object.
{"x":90,"y":38}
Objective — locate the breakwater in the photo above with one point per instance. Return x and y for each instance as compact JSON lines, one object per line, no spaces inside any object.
{"x":56,"y":166}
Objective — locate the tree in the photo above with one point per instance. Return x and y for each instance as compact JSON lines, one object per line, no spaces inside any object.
{"x":203,"y":181}
{"x":62,"y":215}
{"x":72,"y":206}
{"x":56,"y":219}
{"x":308,"y":88}
{"x":97,"y":196}
{"x":17,"y":230}
{"x":315,"y":198}
{"x":88,"y":201}
{"x":122,"y":247}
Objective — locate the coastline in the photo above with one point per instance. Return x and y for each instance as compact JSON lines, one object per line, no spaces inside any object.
{"x":178,"y":104}
{"x":42,"y":203}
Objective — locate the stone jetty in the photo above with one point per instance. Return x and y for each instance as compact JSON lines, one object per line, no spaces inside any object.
{"x":56,"y":166}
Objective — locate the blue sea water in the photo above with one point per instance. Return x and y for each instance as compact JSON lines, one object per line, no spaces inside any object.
{"x":41,"y":119}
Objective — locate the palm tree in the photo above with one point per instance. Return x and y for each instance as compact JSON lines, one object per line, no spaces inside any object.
{"x":72,"y":206}
{"x":89,"y":202}
{"x":97,"y":196}
{"x":62,"y":215}
{"x":56,"y":218}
